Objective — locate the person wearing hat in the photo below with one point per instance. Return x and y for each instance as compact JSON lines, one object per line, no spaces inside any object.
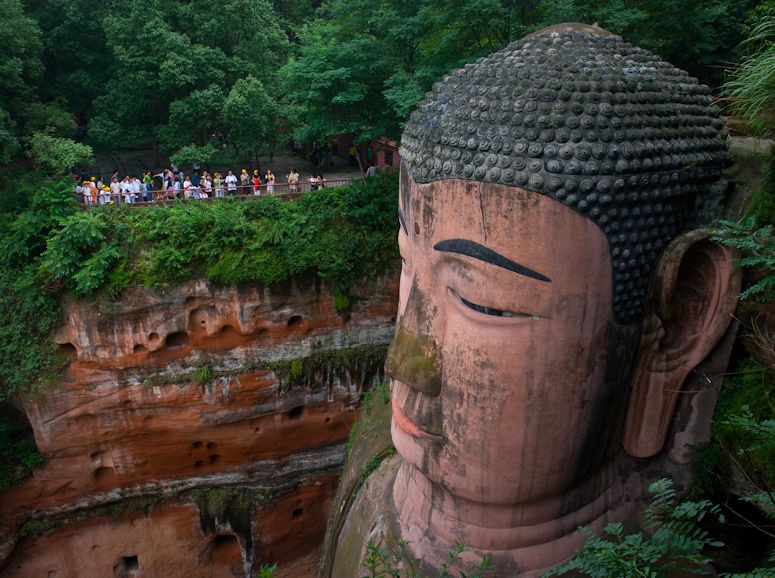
{"x":256,"y":183}
{"x":244,"y":181}
{"x":269,"y":180}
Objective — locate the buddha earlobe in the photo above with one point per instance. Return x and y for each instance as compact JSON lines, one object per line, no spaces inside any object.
{"x":694,"y":296}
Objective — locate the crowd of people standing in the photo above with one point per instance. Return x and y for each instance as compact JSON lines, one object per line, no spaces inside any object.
{"x":171,"y":184}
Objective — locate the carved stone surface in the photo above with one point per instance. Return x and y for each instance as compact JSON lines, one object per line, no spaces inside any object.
{"x":170,"y":394}
{"x":555,"y":294}
{"x":604,"y":127}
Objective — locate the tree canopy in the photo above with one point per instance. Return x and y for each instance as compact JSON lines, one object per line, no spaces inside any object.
{"x":182,"y":75}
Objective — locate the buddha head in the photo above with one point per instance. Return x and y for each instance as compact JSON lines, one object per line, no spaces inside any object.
{"x":555,"y":291}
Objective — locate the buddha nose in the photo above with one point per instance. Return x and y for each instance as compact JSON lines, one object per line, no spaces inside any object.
{"x":412,"y":358}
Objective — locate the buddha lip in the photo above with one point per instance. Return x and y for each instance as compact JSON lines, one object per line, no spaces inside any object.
{"x":406,"y":425}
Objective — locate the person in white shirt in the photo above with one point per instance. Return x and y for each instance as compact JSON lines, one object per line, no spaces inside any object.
{"x":231,"y":183}
{"x":136,"y":188}
{"x":126,"y":190}
{"x":187,"y":188}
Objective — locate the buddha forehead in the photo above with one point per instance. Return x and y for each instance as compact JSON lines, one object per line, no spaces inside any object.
{"x":605,"y":128}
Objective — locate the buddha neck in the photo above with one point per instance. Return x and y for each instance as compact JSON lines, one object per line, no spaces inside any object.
{"x":519,"y":537}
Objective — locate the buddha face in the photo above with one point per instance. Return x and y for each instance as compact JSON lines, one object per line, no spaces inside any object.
{"x":508,"y":369}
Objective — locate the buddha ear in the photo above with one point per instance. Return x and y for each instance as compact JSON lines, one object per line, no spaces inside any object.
{"x":695,"y":293}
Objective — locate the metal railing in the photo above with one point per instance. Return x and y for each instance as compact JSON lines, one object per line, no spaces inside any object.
{"x":240,"y":192}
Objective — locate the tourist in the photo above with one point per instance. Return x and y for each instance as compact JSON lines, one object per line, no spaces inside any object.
{"x":313,"y":183}
{"x":147,"y":185}
{"x":136,"y":188}
{"x":256,"y":183}
{"x":218,"y":184}
{"x":208,"y":186}
{"x":321,"y":182}
{"x":115,"y":189}
{"x":351,"y":156}
{"x":104,"y":197}
{"x":371,"y":171}
{"x":269,"y":180}
{"x":187,"y":188}
{"x":293,"y":180}
{"x":231,"y":183}
{"x":244,"y":181}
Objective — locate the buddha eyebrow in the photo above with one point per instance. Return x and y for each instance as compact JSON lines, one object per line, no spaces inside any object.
{"x":402,"y":221}
{"x":477,"y":251}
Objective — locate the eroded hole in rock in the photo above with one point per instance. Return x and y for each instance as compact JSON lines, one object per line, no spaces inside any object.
{"x":297,"y":513}
{"x":225,"y":541}
{"x":328,"y":419}
{"x":227,"y":330}
{"x":139,"y":348}
{"x":215,"y":458}
{"x":226,"y":551}
{"x":296,"y":412}
{"x":197,"y":444}
{"x":95,"y":457}
{"x":104,"y":474}
{"x":211,"y":445}
{"x":295,"y":321}
{"x":257,"y":430}
{"x":68,"y":351}
{"x":199,"y":463}
{"x":176,"y":339}
{"x":153,"y":336}
{"x":52,"y":573}
{"x":131,"y":563}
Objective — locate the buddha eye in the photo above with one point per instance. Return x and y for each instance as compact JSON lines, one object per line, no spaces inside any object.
{"x":488,"y":310}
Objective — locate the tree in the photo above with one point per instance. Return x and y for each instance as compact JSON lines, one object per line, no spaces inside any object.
{"x":58,"y":154}
{"x":175,"y":64}
{"x":20,"y":69}
{"x":251,"y":116}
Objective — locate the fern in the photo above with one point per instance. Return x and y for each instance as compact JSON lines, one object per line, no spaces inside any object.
{"x":673,"y":541}
{"x":757,"y":248}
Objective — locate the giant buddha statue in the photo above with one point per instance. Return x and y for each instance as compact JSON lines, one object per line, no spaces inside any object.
{"x":557,"y":288}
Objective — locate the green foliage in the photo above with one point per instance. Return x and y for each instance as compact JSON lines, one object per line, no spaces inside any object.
{"x":203,"y":373}
{"x":265,"y":240}
{"x":20,"y":69}
{"x":379,"y":563}
{"x":751,"y":84}
{"x":341,"y":302}
{"x":673,"y":541}
{"x":250,"y":115}
{"x":267,"y":571}
{"x":362,"y":65}
{"x":36,"y":528}
{"x":370,"y":466}
{"x":757,"y":246}
{"x":175,"y":65}
{"x":52,"y":119}
{"x":190,"y":154}
{"x":742,"y":437}
{"x":58,"y":154}
{"x":28,"y":309}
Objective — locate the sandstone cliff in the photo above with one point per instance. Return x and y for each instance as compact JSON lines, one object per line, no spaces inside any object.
{"x":197,"y":431}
